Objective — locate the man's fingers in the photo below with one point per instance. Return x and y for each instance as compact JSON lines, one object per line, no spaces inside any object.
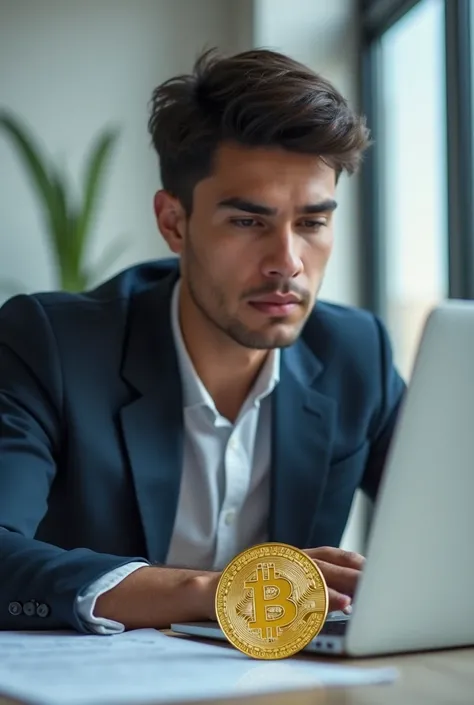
{"x":337,"y":556}
{"x":341,"y":570}
{"x":343,"y":580}
{"x":337,"y":601}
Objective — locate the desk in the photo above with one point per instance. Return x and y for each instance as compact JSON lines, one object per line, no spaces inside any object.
{"x":437,"y":678}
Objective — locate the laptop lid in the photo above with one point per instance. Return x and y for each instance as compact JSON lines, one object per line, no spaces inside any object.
{"x":417,"y":587}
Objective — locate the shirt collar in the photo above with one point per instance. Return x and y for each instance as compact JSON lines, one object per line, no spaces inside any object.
{"x":194,"y":392}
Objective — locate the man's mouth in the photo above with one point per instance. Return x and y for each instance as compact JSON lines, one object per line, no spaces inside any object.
{"x":276,"y":305}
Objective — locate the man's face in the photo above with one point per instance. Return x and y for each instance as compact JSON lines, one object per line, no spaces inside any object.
{"x":254,"y":251}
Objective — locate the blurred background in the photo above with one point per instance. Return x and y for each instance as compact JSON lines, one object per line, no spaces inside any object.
{"x":79,"y":75}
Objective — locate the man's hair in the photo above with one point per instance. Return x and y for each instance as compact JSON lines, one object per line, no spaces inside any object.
{"x":257,"y":98}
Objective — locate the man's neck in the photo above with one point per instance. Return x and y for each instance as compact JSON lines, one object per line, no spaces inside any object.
{"x":226,"y":369}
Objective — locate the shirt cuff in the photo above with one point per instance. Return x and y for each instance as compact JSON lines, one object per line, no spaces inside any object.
{"x":85,"y":603}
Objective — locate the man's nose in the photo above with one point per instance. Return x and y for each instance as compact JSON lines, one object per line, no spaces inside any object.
{"x":283,"y":258}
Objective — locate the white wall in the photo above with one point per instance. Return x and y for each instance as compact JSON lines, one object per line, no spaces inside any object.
{"x":71,"y":68}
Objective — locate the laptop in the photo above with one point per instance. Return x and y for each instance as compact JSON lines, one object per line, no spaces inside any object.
{"x":416,"y":592}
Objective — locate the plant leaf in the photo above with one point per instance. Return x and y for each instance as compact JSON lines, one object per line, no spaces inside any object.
{"x":94,"y":176}
{"x":32,"y":158}
{"x":68,"y":226}
{"x":62,"y":230}
{"x":107,"y":259}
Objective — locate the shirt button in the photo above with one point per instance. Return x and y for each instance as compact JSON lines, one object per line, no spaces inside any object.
{"x":232,"y":443}
{"x":230,"y":517}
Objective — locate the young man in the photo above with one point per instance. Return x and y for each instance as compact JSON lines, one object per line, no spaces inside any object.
{"x":190,"y":408}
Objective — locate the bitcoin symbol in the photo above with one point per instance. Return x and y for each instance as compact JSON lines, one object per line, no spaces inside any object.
{"x":272,"y":603}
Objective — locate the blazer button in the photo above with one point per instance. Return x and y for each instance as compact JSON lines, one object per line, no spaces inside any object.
{"x":43,"y":610}
{"x":15,"y":608}
{"x":29,"y":608}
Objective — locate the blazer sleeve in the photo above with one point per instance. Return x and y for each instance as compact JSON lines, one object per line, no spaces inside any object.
{"x":32,"y":571}
{"x":393,"y":390}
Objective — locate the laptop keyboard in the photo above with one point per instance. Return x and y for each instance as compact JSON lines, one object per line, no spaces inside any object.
{"x":336,"y":628}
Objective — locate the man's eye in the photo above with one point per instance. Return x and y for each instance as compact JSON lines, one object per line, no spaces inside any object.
{"x":244,"y":222}
{"x":313,"y":224}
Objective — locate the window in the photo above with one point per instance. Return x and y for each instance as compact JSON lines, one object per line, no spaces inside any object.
{"x":414,"y":170}
{"x":418,"y":177}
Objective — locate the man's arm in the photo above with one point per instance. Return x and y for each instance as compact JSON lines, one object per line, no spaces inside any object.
{"x":37,"y":573}
{"x":393,"y":390}
{"x":156,"y":597}
{"x":87,"y":600}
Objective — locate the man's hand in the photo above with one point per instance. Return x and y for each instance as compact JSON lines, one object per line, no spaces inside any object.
{"x":341,"y":570}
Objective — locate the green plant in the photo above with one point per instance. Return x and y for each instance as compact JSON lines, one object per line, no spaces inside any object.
{"x":68,"y":220}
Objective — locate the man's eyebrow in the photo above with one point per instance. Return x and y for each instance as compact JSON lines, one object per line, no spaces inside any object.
{"x":246,"y":206}
{"x":322,"y":207}
{"x":241,"y":204}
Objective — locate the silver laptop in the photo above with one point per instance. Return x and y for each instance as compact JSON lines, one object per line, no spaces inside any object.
{"x":417,"y":588}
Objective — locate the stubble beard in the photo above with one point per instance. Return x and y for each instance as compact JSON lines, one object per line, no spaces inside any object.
{"x":233,"y":328}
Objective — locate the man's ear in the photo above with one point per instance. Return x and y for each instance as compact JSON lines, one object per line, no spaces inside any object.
{"x":171,"y":220}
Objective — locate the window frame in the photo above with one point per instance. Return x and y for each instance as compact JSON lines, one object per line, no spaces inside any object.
{"x":375,"y":18}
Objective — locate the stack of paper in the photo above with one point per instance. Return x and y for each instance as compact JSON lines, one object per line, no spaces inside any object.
{"x":146,"y":666}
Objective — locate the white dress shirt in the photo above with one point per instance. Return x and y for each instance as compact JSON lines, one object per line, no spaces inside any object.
{"x":224,"y":496}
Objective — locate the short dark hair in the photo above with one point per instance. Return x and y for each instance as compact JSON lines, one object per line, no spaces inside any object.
{"x":258,"y":98}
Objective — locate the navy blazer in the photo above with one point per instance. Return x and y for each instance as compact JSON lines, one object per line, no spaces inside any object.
{"x":91,"y":435}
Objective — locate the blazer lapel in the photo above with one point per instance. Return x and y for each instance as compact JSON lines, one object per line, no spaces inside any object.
{"x":152,"y":424}
{"x":303,"y":430}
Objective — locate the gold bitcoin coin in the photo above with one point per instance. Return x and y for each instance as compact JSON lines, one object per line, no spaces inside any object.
{"x":271,"y":600}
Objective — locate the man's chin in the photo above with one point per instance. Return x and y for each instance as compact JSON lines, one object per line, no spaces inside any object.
{"x":270,"y":339}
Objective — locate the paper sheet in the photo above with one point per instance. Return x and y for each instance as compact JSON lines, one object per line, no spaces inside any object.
{"x":146,"y":666}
